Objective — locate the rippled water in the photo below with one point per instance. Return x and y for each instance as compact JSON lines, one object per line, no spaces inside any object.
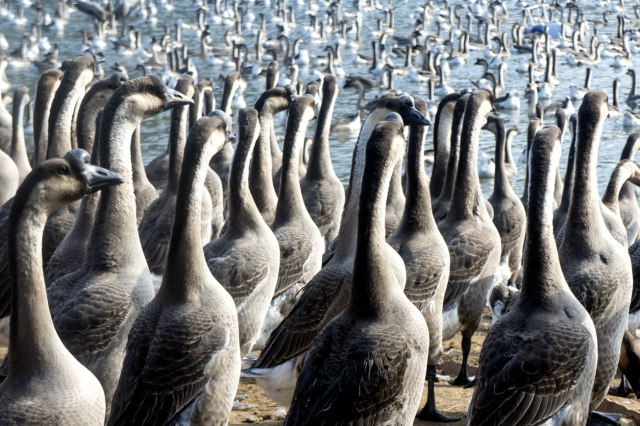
{"x":155,"y":130}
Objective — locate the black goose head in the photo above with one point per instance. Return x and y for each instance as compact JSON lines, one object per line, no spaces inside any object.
{"x":405,"y":106}
{"x":278,"y":98}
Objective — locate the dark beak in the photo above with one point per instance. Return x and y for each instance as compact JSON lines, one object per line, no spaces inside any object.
{"x":231,"y":136}
{"x":173,"y":98}
{"x":413,"y":117}
{"x":99,"y":178}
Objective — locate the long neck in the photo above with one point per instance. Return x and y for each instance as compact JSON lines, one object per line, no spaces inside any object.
{"x":533,"y":128}
{"x":44,"y":99}
{"x":542,"y":275}
{"x":349,"y":224}
{"x":260,"y":180}
{"x":86,"y":121}
{"x":243,"y":212}
{"x":441,"y":146}
{"x":454,"y":154}
{"x":373,"y":282}
{"x":584,"y":215}
{"x":501,"y":183}
{"x":185,"y":248}
{"x":628,"y":153}
{"x":139,"y":175}
{"x":177,"y":140}
{"x":18,"y":148}
{"x":290,"y":202}
{"x":60,"y":121}
{"x":466,"y":188}
{"x":114,"y":238}
{"x":633,"y":83}
{"x":34,"y":344}
{"x":618,"y":178}
{"x":320,"y":164}
{"x":417,"y":215}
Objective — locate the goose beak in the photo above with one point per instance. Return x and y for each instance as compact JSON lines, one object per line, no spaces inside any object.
{"x":413,"y":117}
{"x":99,"y":178}
{"x":173,"y":98}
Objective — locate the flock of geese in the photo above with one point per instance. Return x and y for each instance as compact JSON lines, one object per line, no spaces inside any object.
{"x":135,"y":295}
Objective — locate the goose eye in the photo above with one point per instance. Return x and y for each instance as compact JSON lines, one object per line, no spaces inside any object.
{"x":148,"y":88}
{"x":219,"y":125}
{"x":388,"y":104}
{"x":63,"y":170}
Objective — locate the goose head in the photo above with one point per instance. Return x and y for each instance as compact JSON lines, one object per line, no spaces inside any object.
{"x":64,"y":180}
{"x":277,"y":99}
{"x":148,"y":96}
{"x":405,"y":107}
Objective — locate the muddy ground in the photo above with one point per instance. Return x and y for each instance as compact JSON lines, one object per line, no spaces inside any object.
{"x":451,"y":400}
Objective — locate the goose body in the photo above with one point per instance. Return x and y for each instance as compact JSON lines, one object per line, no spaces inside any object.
{"x":114,"y":277}
{"x":322,"y":191}
{"x":509,"y":216}
{"x":44,"y":383}
{"x":470,"y":226}
{"x":327,"y":294}
{"x":375,"y":308}
{"x":192,"y":308}
{"x":545,"y":313}
{"x":605,"y":265}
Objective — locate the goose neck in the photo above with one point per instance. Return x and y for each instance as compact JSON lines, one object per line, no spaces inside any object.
{"x":534,"y":127}
{"x":18,"y":148}
{"x":441,"y":142}
{"x":185,"y":247}
{"x":619,"y":177}
{"x":260,"y":180}
{"x":290,"y":202}
{"x":320,"y":164}
{"x":95,"y":99}
{"x":373,"y":287}
{"x":628,"y":153}
{"x":36,"y":346}
{"x":584,"y":210}
{"x":45,"y":93}
{"x":454,"y":155}
{"x":139,"y":175}
{"x":417,"y":215}
{"x":542,"y":275}
{"x":501,"y":183}
{"x":177,"y":141}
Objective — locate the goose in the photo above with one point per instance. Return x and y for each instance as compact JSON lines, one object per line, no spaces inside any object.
{"x":509,"y":162}
{"x":350,"y":123}
{"x":576,"y":93}
{"x":395,"y":200}
{"x":633,"y":99}
{"x":322,"y":191}
{"x":156,"y":225}
{"x":44,"y":383}
{"x":625,"y":170}
{"x":468,"y":226}
{"x":261,"y":182}
{"x":629,"y":211}
{"x":114,"y":277}
{"x":510,"y":101}
{"x":69,"y":255}
{"x":202,"y":380}
{"x":325,"y":296}
{"x":509,"y":216}
{"x":486,"y":166}
{"x":245,"y":259}
{"x":421,"y":247}
{"x":18,"y":152}
{"x":375,"y":308}
{"x":442,"y":204}
{"x":614,"y":109}
{"x":300,"y":241}
{"x":45,"y":91}
{"x":628,"y":365}
{"x":605,"y":264}
{"x":546,"y":327}
{"x":441,"y":144}
{"x":443,"y":88}
{"x":630,"y":120}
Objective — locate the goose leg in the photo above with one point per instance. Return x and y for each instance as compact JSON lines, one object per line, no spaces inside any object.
{"x":463,"y":377}
{"x":429,"y":412}
{"x":622,"y":390}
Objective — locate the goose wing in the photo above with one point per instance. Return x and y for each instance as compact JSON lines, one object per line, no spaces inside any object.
{"x":509,"y":224}
{"x":424,"y":271}
{"x":354,"y":374}
{"x":155,"y":236}
{"x":527,"y":373}
{"x":295,"y":249}
{"x":27,"y":413}
{"x":87,"y":320}
{"x":469,"y":253}
{"x":296,"y":332}
{"x":163,"y":370}
{"x":240,"y":269}
{"x":321,"y":202}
